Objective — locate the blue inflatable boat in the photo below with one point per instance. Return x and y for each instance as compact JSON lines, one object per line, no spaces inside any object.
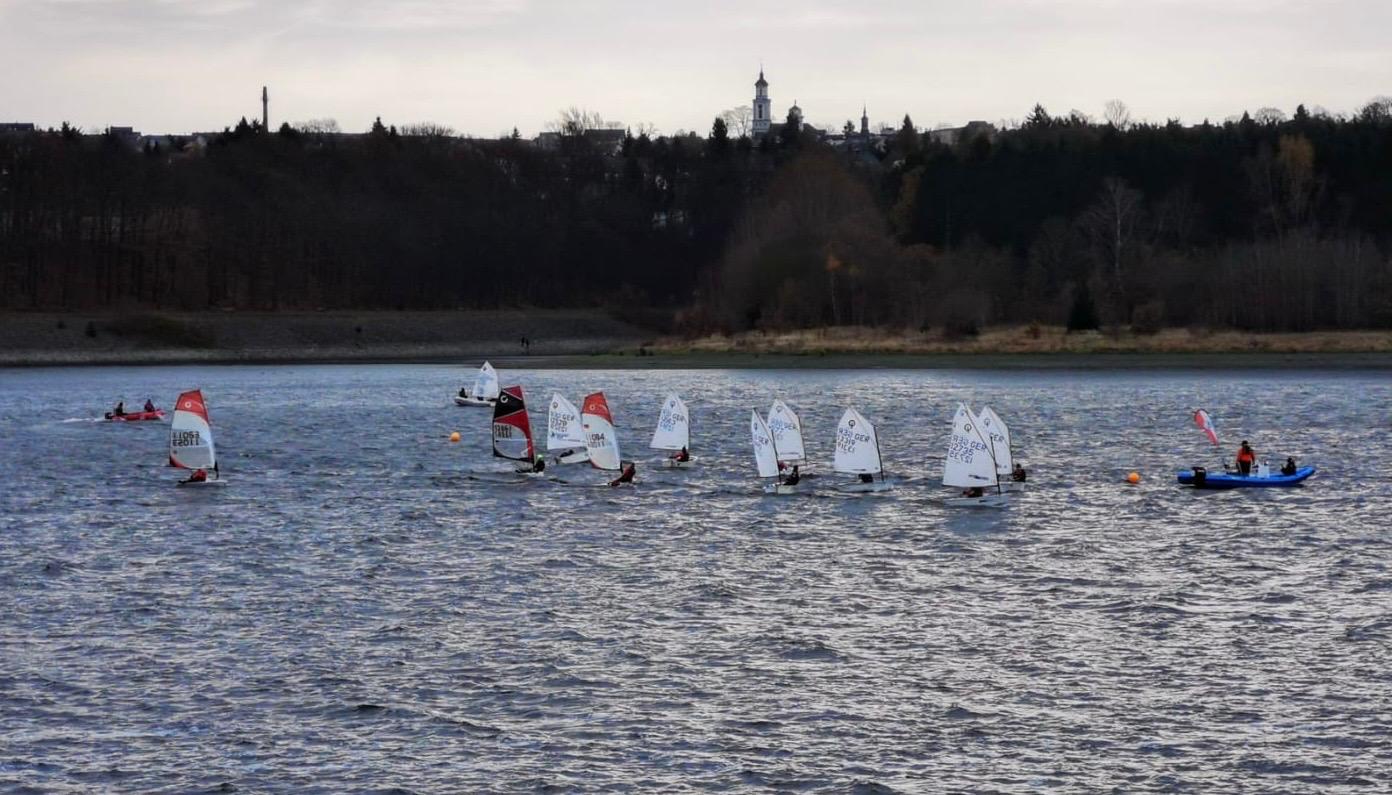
{"x":1200,"y":478}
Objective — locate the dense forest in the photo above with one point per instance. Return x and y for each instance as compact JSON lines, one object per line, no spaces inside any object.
{"x":1267,"y":223}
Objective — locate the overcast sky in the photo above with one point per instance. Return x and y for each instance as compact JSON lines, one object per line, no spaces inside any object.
{"x":483,"y":66}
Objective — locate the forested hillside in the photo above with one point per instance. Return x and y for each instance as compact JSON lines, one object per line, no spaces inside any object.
{"x":1259,"y":224}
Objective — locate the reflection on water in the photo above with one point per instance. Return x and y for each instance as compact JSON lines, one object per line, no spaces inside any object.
{"x":367,"y":606}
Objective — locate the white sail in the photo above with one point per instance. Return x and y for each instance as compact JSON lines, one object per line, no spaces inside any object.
{"x":486,"y":383}
{"x":673,"y":430}
{"x":998,"y":435}
{"x":765,"y":451}
{"x":786,"y":428}
{"x":969,"y":462}
{"x":563,"y":431}
{"x":190,"y":434}
{"x":857,"y":445}
{"x":601,"y":439}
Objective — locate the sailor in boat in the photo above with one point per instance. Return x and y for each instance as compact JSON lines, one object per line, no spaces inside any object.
{"x":1246,"y":457}
{"x":120,"y":410}
{"x":1018,"y":473}
{"x":464,"y":392}
{"x":198,"y":476}
{"x":792,"y":478}
{"x":974,"y":491}
{"x":1288,"y":468}
{"x":681,"y":456}
{"x":866,"y":477}
{"x":149,"y":405}
{"x":629,"y":470}
{"x":538,"y":466}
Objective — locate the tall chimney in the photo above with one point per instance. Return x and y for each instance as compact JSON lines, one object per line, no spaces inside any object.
{"x":265,"y":110}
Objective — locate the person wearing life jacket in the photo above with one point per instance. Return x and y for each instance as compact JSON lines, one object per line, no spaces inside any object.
{"x":866,"y":477}
{"x":120,"y":410}
{"x":1246,"y":458}
{"x":1018,"y":473}
{"x":629,"y":470}
{"x":1288,"y":468}
{"x":792,"y":478}
{"x":464,"y":392}
{"x":198,"y":476}
{"x":149,"y":405}
{"x":538,"y":466}
{"x":974,"y":491}
{"x":681,"y":456}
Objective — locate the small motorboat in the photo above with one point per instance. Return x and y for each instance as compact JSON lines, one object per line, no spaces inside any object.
{"x":1201,"y":478}
{"x":136,"y":416}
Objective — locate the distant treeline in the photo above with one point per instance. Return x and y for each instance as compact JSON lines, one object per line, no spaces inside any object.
{"x":1265,"y":224}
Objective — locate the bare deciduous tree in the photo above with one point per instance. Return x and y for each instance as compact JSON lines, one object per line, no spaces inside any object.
{"x":1117,"y":114}
{"x":1269,"y":115}
{"x":739,"y":121}
{"x":319,"y":126}
{"x":1112,"y":221}
{"x":574,"y":121}
{"x":427,"y":129}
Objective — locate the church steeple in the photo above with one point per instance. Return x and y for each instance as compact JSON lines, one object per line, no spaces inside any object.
{"x":762,"y":105}
{"x":864,"y":121}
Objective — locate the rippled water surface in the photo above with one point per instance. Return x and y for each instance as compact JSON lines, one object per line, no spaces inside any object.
{"x":367,"y":607}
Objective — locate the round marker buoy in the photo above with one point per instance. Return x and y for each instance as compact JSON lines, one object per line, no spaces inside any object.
{"x":1133,"y":478}
{"x":454,"y":437}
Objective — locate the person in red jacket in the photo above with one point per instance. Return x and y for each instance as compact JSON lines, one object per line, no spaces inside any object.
{"x":198,"y":476}
{"x":1246,"y":457}
{"x":626,"y":476}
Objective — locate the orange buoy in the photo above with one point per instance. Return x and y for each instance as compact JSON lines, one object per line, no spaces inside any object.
{"x":454,"y":437}
{"x":1133,"y":478}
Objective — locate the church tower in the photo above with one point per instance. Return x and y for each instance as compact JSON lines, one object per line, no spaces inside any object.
{"x":762,"y":106}
{"x":864,"y":122}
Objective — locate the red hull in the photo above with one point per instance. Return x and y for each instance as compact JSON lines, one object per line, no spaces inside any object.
{"x":137,"y":416}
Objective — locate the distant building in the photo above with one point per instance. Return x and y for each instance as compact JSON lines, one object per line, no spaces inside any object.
{"x":16,"y":127}
{"x":951,"y":136}
{"x":606,"y":140}
{"x":762,"y":106}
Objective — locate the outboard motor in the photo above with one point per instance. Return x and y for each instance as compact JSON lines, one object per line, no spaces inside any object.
{"x":1200,"y":476}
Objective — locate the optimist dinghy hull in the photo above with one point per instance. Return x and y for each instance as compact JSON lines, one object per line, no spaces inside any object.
{"x":782,"y":489}
{"x":574,"y":457}
{"x":1201,"y":479}
{"x":672,"y":463}
{"x":867,"y":488}
{"x":474,"y":402}
{"x":199,"y":483}
{"x":986,"y":501}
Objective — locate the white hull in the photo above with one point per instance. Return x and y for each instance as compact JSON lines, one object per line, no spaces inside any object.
{"x":672,"y":463}
{"x":782,"y":489}
{"x":987,"y":501}
{"x":867,"y":488}
{"x":199,"y":483}
{"x":574,"y":457}
{"x":1012,"y":486}
{"x":474,"y":402}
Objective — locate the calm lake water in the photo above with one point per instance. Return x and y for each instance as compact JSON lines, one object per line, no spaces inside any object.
{"x":367,"y":607}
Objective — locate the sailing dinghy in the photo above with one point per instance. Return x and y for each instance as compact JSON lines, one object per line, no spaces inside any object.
{"x":766,"y":457}
{"x":485,"y":389}
{"x":601,"y":439}
{"x":673,"y":433}
{"x":191,"y":440}
{"x":998,"y":435}
{"x":858,"y":453}
{"x":563,"y":432}
{"x":786,"y":430}
{"x":512,"y":431}
{"x":970,"y":465}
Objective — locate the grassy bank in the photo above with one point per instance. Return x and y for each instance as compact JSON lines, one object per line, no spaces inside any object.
{"x":1023,"y":341}
{"x":215,"y":337}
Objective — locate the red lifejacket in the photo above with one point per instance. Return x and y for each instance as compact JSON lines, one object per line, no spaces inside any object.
{"x":1246,"y":455}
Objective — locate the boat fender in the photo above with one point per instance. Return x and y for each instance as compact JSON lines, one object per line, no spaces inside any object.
{"x":1200,"y":476}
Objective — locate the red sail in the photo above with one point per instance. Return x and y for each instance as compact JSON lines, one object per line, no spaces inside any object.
{"x":512,"y":430}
